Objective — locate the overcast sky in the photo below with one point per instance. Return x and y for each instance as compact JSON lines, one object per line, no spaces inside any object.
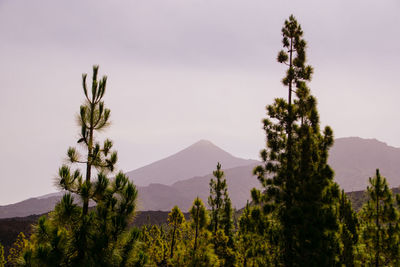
{"x":183,"y":70}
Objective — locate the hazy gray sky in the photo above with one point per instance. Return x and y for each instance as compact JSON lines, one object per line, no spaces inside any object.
{"x":183,"y":70}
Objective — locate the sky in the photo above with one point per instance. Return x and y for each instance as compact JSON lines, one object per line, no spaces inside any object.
{"x":180,"y":71}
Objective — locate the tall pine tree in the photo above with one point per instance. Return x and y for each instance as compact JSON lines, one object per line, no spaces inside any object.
{"x":175,"y":220}
{"x":200,"y":219}
{"x":297,"y":180}
{"x":73,"y":235}
{"x":220,"y":203}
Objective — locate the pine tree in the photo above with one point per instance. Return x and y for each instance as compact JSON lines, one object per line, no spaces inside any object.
{"x":380,"y":231}
{"x":215,"y":200}
{"x":93,"y":117}
{"x":257,"y":237}
{"x":73,"y":234}
{"x":175,"y":220}
{"x":17,"y":249}
{"x":221,"y":217}
{"x":200,"y":219}
{"x":245,"y":237}
{"x":348,"y":231}
{"x":220,"y":203}
{"x":224,"y":250}
{"x":227,"y":218}
{"x":224,"y":239}
{"x":298,"y":182}
{"x":156,"y":244}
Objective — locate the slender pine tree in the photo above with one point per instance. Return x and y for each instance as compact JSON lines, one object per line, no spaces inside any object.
{"x":297,"y":180}
{"x":215,"y":200}
{"x":220,"y":203}
{"x":73,"y":235}
{"x":17,"y":249}
{"x":175,"y":220}
{"x":93,"y":117}
{"x":200,"y":219}
{"x":380,"y":219}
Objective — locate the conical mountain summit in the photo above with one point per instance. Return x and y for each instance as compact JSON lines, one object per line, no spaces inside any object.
{"x":198,"y":159}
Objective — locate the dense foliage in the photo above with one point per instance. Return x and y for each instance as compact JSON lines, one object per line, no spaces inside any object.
{"x":17,"y":249}
{"x":299,"y":218}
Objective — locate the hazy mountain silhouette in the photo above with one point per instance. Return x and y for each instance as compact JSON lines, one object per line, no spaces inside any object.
{"x":155,"y":196}
{"x":35,"y":206}
{"x":30,"y":206}
{"x":163,"y":197}
{"x":355,"y":159}
{"x":187,"y":175}
{"x":155,"y":181}
{"x":197,"y":160}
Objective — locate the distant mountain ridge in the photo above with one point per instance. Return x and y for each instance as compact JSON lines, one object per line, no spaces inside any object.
{"x":166,"y":182}
{"x":198,"y":159}
{"x":353,"y":160}
{"x":240,"y":181}
{"x":11,"y":227}
{"x":156,"y":196}
{"x":35,"y":206}
{"x":30,"y":206}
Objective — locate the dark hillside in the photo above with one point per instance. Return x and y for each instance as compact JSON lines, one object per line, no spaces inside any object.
{"x":358,"y":198}
{"x":355,"y":159}
{"x":11,"y":227}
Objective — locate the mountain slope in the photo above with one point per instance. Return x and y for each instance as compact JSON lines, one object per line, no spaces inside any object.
{"x":197,"y":160}
{"x":156,"y":196}
{"x":152,"y":180}
{"x":29,"y":206}
{"x":163,"y":197}
{"x":354,"y":160}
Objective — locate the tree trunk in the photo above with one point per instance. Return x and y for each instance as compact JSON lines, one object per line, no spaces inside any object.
{"x":89,"y":157}
{"x":173,"y":242}
{"x":197,"y":230}
{"x":377,"y":234}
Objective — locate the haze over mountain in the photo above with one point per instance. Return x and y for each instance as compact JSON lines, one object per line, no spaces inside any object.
{"x":156,"y":196}
{"x":353,"y":159}
{"x":198,"y":159}
{"x":163,"y":197}
{"x":158,"y":183}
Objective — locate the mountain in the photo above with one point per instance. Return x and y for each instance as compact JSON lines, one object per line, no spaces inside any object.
{"x":355,"y":159}
{"x":188,"y":173}
{"x":29,"y":206}
{"x":35,"y":206}
{"x":158,"y":183}
{"x":163,"y":197}
{"x":156,"y":196}
{"x":198,"y":159}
